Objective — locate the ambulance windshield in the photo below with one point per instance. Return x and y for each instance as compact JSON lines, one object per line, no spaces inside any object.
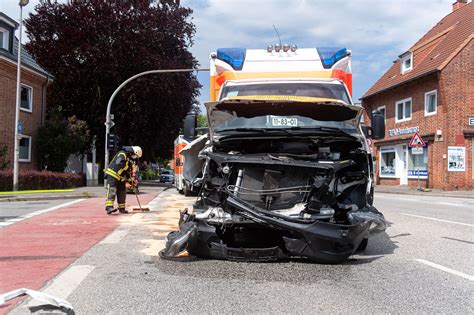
{"x":314,"y":89}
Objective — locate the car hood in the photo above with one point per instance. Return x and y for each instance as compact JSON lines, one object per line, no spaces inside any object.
{"x":323,"y":109}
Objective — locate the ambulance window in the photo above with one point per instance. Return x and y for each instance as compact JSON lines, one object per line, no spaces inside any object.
{"x":324,"y":90}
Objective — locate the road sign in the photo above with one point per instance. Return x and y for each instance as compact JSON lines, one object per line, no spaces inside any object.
{"x":471,"y":121}
{"x":417,"y":150}
{"x":416,"y":141}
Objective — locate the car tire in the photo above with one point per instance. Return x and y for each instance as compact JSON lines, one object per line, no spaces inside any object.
{"x":186,"y":190}
{"x":363,"y":245}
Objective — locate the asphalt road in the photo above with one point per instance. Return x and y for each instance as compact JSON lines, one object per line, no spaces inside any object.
{"x":423,"y":263}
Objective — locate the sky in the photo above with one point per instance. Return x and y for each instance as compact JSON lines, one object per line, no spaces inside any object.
{"x":376,"y":31}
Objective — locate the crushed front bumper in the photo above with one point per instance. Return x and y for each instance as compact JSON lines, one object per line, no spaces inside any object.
{"x":318,"y":241}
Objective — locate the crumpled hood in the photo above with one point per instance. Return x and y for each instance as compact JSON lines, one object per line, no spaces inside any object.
{"x":323,"y":109}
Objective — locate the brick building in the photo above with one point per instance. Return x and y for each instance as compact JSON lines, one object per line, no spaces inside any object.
{"x":430,"y":90}
{"x":34,"y":81}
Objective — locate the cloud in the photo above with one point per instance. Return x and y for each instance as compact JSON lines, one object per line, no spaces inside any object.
{"x":376,"y":31}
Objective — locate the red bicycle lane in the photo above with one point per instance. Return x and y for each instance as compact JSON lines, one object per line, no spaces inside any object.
{"x":35,"y":250}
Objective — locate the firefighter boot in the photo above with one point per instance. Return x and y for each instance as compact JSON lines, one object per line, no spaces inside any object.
{"x":123,"y":210}
{"x":110,"y":209}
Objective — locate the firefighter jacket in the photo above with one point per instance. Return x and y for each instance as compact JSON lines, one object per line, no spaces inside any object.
{"x":120,"y":167}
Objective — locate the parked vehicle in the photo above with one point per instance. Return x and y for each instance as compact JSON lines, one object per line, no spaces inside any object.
{"x":166,"y":176}
{"x":286,"y":170}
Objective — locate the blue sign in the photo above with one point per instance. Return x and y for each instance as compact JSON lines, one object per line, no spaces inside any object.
{"x":415,"y":173}
{"x":471,"y":121}
{"x":20,"y":128}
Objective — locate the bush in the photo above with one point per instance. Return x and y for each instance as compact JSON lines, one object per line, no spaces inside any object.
{"x":149,"y":174}
{"x":31,"y":180}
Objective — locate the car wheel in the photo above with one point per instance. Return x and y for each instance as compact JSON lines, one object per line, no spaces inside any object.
{"x":363,"y":245}
{"x":186,"y":191}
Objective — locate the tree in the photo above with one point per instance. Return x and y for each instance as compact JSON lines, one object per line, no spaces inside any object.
{"x":90,"y":47}
{"x":59,"y":138}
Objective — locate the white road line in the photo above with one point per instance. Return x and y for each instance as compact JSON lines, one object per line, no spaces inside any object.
{"x":115,"y":236}
{"x":434,"y":219}
{"x":446,"y":269}
{"x":454,"y":204}
{"x":32,"y":214}
{"x":66,"y":282}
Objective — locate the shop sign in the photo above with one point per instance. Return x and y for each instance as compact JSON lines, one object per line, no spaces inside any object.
{"x":403,"y":131}
{"x":456,"y":159}
{"x":417,"y":150}
{"x":421,"y":173}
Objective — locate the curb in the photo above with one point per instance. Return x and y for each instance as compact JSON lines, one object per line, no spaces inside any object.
{"x":428,"y":194}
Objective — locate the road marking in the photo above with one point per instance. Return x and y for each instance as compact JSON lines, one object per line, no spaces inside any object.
{"x":434,"y":219}
{"x":453,"y":204}
{"x":66,"y":282}
{"x":115,"y":236}
{"x":32,"y":214}
{"x":446,"y":269}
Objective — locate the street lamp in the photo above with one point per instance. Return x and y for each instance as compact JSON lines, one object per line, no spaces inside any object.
{"x":108,"y":118}
{"x":16,"y":151}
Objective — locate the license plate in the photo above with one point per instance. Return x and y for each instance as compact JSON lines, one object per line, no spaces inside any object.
{"x":284,"y":122}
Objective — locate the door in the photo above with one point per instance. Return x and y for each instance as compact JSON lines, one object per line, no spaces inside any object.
{"x":403,"y":168}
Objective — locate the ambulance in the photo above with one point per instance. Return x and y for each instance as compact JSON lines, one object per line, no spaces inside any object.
{"x":286,"y":169}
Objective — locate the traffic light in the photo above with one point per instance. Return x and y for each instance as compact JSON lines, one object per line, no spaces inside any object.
{"x":112,"y":142}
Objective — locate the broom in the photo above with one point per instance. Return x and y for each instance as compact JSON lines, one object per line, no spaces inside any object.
{"x":140,"y":209}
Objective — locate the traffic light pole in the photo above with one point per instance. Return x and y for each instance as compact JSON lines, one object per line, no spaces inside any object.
{"x":108,"y":120}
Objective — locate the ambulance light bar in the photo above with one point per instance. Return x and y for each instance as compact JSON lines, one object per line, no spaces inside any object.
{"x":233,"y":56}
{"x":330,"y":55}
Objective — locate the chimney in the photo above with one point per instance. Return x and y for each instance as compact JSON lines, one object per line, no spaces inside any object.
{"x":458,"y":4}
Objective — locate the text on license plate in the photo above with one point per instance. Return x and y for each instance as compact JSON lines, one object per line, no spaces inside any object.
{"x":284,"y":122}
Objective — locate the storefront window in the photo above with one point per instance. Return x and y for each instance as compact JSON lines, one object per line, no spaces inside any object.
{"x":387,"y":162}
{"x":418,"y":162}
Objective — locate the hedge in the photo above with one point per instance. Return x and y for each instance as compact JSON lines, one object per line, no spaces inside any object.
{"x":31,"y":180}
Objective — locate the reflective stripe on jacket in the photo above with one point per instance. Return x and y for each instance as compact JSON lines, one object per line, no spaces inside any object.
{"x":119,"y":166}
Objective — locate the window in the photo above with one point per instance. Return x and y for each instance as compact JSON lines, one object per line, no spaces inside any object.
{"x":403,"y":110}
{"x":26,"y":98}
{"x":25,"y":149}
{"x":431,"y":102}
{"x":387,"y":162}
{"x":4,"y":39}
{"x":418,"y":163}
{"x":406,"y":62}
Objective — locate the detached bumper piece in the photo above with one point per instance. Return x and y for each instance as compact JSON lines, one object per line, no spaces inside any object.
{"x":318,"y":241}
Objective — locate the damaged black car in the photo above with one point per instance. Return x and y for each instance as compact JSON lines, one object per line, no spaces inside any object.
{"x":281,"y":178}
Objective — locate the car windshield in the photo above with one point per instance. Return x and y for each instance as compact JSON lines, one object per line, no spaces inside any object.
{"x":166,"y":173}
{"x":316,"y":89}
{"x":269,"y":122}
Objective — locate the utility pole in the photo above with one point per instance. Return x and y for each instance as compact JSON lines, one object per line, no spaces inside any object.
{"x":16,"y":147}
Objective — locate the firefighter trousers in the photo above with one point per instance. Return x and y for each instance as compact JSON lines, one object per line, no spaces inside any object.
{"x":115,"y":188}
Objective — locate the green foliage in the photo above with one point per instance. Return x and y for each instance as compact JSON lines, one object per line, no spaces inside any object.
{"x":4,"y":162}
{"x":41,"y":180}
{"x":202,"y":121}
{"x":91,"y":47}
{"x":59,"y":138}
{"x":149,"y":174}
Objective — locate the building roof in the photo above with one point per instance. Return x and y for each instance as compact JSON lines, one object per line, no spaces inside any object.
{"x":433,"y":51}
{"x":26,"y":59}
{"x":8,"y":20}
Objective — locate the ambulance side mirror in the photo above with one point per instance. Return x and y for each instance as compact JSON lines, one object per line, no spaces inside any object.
{"x":190,"y":123}
{"x":378,"y":125}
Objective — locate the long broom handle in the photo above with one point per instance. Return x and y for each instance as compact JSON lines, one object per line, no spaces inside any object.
{"x":136,"y":195}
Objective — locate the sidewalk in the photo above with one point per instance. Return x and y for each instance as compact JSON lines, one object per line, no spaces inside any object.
{"x":81,"y":192}
{"x":433,"y":192}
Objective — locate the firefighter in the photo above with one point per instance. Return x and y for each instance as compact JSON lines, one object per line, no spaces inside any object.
{"x":118,"y":173}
